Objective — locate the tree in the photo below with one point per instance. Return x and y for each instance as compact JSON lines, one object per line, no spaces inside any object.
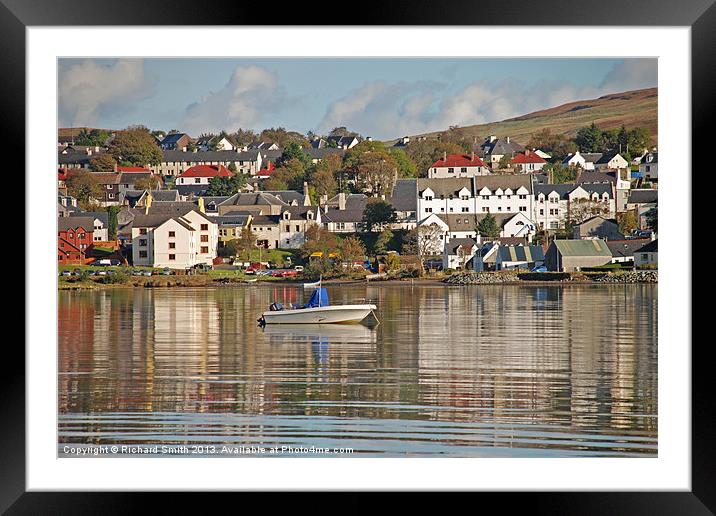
{"x":243,"y":245}
{"x":93,"y":138}
{"x":460,"y":137}
{"x":293,"y":151}
{"x":382,"y":242}
{"x":103,"y":163}
{"x":342,"y":131}
{"x":136,"y":146}
{"x":589,"y":139}
{"x":377,"y":214}
{"x":488,"y":227}
{"x":83,"y":186}
{"x":556,"y":145}
{"x":425,"y":242}
{"x":319,"y":240}
{"x":376,"y":172}
{"x":583,"y":209}
{"x":392,"y":261}
{"x":627,"y":222}
{"x":406,"y":166}
{"x":112,"y":222}
{"x":426,"y":152}
{"x":244,"y":136}
{"x":150,"y":182}
{"x":559,"y":174}
{"x":223,"y":185}
{"x":652,"y":218}
{"x":290,"y":175}
{"x":352,"y":250}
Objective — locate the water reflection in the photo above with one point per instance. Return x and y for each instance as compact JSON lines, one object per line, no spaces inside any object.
{"x":477,"y":371}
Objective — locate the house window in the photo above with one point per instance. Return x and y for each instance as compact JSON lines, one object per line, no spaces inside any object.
{"x":523,"y":197}
{"x":451,"y":170}
{"x":463,"y":170}
{"x":142,"y":254}
{"x":428,"y":210}
{"x":172,"y":245}
{"x":204,"y":249}
{"x":197,"y":180}
{"x":523,"y":208}
{"x":172,"y":257}
{"x":428,"y":197}
{"x":142,"y":231}
{"x":644,"y":256}
{"x":288,"y":228}
{"x":204,"y":238}
{"x":485,"y":197}
{"x":143,"y":242}
{"x":485,"y":210}
{"x":464,"y":210}
{"x":172,"y":234}
{"x":205,"y":227}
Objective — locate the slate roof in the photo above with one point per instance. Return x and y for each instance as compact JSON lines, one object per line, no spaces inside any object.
{"x":253,"y":199}
{"x":504,"y":181}
{"x":455,"y":244}
{"x":347,"y":215}
{"x":501,"y":147}
{"x":469,"y":221}
{"x":592,"y":157}
{"x":196,"y":190}
{"x":625,"y":248}
{"x":287,"y":196}
{"x":177,"y":156}
{"x":594,"y":247}
{"x":405,"y":195}
{"x":643,"y":196}
{"x":171,"y":207}
{"x":445,"y":187}
{"x":563,"y":190}
{"x":650,"y":158}
{"x":651,"y":247}
{"x":592,"y":176}
{"x":606,"y":157}
{"x":102,"y":216}
{"x":153,"y":221}
{"x":521,"y":253}
{"x":67,"y":223}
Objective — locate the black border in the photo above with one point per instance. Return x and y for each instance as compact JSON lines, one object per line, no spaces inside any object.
{"x":700,"y":15}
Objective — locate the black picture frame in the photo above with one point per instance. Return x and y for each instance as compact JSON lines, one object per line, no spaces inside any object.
{"x":700,"y":15}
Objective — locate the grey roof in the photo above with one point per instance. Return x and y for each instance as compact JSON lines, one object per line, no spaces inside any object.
{"x":133,"y":196}
{"x":501,"y":147}
{"x":301,"y":211}
{"x":651,"y":247}
{"x":347,"y":215}
{"x":405,"y":195}
{"x":598,"y":188}
{"x":592,"y":157}
{"x":177,"y":156}
{"x":504,"y":181}
{"x":469,"y":221}
{"x":265,"y":220}
{"x":132,"y":177}
{"x":253,"y":199}
{"x":287,"y":196}
{"x":197,"y":190}
{"x":455,"y":243}
{"x":625,"y":248}
{"x":649,"y":158}
{"x":172,"y":139}
{"x":563,"y":190}
{"x":76,"y":158}
{"x":445,"y":187}
{"x":521,"y":253}
{"x":171,"y":207}
{"x":154,"y":220}
{"x":592,"y":176}
{"x":643,"y":196}
{"x":165,"y":195}
{"x":102,"y":216}
{"x":606,"y":157}
{"x":231,"y":219}
{"x":66,"y":223}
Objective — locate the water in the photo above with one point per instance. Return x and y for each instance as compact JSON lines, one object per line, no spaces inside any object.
{"x":488,"y":371}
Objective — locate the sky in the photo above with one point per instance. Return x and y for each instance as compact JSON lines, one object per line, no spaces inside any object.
{"x":384,"y":98}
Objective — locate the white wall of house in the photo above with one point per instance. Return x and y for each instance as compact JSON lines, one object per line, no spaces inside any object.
{"x":443,"y":172}
{"x":176,"y":168}
{"x":101,"y":232}
{"x":551,"y":211}
{"x":207,"y":237}
{"x":646,"y":259}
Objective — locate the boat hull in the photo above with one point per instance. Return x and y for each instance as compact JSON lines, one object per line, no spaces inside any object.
{"x":340,"y":314}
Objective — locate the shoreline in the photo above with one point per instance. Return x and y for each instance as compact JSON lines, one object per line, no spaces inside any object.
{"x":454,"y":280}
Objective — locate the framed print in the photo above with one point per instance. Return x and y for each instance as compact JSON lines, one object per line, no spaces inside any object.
{"x":417,"y":255}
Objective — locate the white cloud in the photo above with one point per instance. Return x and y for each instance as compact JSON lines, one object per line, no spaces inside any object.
{"x":251,"y":92}
{"x":384,"y":110}
{"x":89,"y":90}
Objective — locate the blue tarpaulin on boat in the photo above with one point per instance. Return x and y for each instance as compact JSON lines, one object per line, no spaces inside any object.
{"x":319,"y":298}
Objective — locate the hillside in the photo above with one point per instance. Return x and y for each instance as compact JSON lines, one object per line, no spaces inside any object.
{"x":636,"y":108}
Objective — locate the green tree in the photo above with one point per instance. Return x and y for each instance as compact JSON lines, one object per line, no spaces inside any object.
{"x":102,"y":163}
{"x":150,"y":182}
{"x":559,"y":174}
{"x":244,"y":245}
{"x":136,"y":146}
{"x":377,"y":214}
{"x":222,"y":185}
{"x":426,"y":152}
{"x":652,"y":218}
{"x":112,"y":223}
{"x":92,"y":138}
{"x":589,"y":139}
{"x":556,"y":145}
{"x":406,"y":166}
{"x":458,"y":136}
{"x":488,"y":227}
{"x":382,"y":242}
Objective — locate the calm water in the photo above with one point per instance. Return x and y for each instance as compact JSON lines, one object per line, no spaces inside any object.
{"x":450,"y":371}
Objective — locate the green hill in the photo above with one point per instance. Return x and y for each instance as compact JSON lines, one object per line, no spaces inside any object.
{"x":636,"y":108}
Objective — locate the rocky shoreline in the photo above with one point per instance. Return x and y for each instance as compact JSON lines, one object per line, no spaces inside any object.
{"x":516,"y":278}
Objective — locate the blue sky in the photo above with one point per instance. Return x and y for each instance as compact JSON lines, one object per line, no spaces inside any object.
{"x":379,"y":97}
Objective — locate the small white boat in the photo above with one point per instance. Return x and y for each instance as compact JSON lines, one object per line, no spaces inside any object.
{"x":315,"y":284}
{"x":317,"y":311}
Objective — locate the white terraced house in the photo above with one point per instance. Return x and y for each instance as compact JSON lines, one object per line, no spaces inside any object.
{"x":173,"y":241}
{"x":481,"y":194}
{"x":555,"y":204}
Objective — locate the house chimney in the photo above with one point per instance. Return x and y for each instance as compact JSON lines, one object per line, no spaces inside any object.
{"x":200,"y":203}
{"x":472,"y":156}
{"x":147,"y":203}
{"x":306,"y":196}
{"x":342,"y":201}
{"x":444,"y":155}
{"x":508,"y":139}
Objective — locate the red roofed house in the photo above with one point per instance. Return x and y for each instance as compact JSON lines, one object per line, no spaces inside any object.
{"x":202,"y":174}
{"x":266,"y":172}
{"x":458,"y":165}
{"x":74,"y":236}
{"x":528,"y":161}
{"x":62,"y":176}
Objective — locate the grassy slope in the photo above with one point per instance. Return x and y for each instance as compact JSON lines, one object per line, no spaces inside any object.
{"x":636,"y":108}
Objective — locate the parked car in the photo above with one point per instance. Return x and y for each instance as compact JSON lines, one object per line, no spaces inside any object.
{"x":166,"y":271}
{"x":298,"y":268}
{"x":66,"y":274}
{"x":147,"y":273}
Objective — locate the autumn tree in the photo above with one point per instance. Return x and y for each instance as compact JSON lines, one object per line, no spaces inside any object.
{"x":460,"y":137}
{"x":242,"y":246}
{"x":150,"y":182}
{"x":103,"y":162}
{"x":426,"y":152}
{"x":627,"y":222}
{"x":290,"y":175}
{"x":424,"y":241}
{"x":556,"y":145}
{"x":351,"y":250}
{"x":83,"y":186}
{"x":92,"y":138}
{"x":383,"y":241}
{"x":135,"y":146}
{"x":583,"y":209}
{"x":406,"y":166}
{"x":376,"y":172}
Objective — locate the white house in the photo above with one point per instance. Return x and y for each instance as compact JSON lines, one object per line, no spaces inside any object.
{"x":458,"y":253}
{"x":100,"y":224}
{"x":647,"y":255}
{"x":649,"y":166}
{"x":611,"y":161}
{"x":174,"y":241}
{"x":175,"y":162}
{"x":494,"y":149}
{"x":528,"y":162}
{"x":458,"y":165}
{"x":202,"y":174}
{"x":555,"y":204}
